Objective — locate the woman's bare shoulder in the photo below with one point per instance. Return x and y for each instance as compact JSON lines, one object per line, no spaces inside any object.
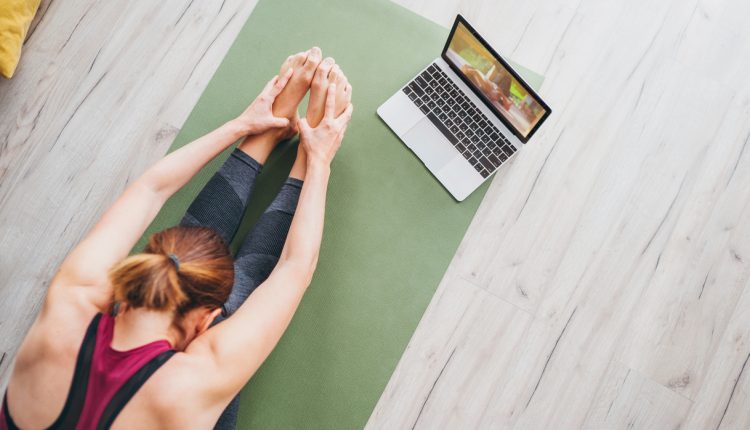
{"x":59,"y":327}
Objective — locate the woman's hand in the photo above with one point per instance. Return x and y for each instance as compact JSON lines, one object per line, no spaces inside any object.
{"x":322,"y":142}
{"x":258,"y":117}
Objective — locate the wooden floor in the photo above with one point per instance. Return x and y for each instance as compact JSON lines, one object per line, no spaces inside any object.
{"x":605,"y":281}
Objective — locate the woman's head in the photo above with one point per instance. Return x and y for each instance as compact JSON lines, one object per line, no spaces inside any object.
{"x":184,"y":270}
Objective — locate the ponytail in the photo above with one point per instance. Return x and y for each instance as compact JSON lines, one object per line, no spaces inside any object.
{"x":149,"y":281}
{"x":180,"y":269}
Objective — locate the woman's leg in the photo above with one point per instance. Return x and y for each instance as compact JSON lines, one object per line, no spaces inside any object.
{"x":261,"y":249}
{"x":222,"y":201}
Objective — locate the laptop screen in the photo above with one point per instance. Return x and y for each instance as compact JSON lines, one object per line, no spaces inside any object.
{"x":494,"y":81}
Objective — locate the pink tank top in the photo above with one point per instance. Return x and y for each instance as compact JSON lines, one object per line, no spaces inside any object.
{"x":104,"y":379}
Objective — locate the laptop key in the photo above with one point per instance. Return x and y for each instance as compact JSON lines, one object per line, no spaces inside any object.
{"x":486,"y":163}
{"x":494,"y":160}
{"x":424,"y":108}
{"x":442,"y":128}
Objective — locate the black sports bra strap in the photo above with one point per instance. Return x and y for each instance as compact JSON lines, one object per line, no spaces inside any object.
{"x":130,"y":387}
{"x":8,"y":420}
{"x":71,"y":412}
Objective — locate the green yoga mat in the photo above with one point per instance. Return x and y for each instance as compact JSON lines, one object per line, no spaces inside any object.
{"x":391,"y":228}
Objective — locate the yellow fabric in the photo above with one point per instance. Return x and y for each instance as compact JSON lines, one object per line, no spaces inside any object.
{"x":15,"y":18}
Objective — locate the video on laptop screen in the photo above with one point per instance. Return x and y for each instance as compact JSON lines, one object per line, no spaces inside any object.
{"x":509,"y":98}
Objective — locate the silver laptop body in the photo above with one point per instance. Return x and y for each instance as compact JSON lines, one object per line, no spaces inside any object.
{"x":456,"y":135}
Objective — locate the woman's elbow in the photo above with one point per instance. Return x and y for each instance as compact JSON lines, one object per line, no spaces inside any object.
{"x":302,"y":269}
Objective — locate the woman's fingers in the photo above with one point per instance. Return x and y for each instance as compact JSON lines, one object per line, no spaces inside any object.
{"x":275,"y":122}
{"x":302,"y":125}
{"x":331,"y":102}
{"x":276,"y":85}
{"x":270,"y":84}
{"x":345,"y":116}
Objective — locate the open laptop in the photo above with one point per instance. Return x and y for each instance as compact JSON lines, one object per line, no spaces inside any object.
{"x":465,"y":114}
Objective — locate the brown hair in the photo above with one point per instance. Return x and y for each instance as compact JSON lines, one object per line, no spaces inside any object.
{"x":180,"y":269}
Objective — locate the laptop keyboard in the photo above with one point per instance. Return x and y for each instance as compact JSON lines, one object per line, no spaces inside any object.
{"x":465,"y":126}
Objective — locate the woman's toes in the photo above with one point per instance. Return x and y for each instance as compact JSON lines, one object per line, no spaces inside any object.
{"x":335,"y":74}
{"x":321,"y":74}
{"x":313,"y":60}
{"x":299,"y":59}
{"x":293,"y":61}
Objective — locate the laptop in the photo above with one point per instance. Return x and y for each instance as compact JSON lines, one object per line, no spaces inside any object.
{"x":465,"y":114}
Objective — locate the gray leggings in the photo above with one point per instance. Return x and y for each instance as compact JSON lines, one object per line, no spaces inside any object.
{"x":221,"y":205}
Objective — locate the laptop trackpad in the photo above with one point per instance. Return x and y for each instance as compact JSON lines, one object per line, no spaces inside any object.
{"x":430,"y":145}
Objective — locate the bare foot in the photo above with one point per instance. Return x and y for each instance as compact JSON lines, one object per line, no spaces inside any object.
{"x":304,"y":64}
{"x":328,"y":73}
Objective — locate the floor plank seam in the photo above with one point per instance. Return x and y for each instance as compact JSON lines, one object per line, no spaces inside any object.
{"x":434,"y":383}
{"x":731,"y":395}
{"x":549,"y":357}
{"x":493,"y":294}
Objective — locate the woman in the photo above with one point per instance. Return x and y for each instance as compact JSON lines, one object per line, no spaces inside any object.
{"x":152,"y":355}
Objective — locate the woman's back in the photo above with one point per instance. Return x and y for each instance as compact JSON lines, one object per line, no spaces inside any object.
{"x":95,"y":385}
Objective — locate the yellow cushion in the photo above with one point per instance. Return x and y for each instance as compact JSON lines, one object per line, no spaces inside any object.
{"x":15,"y":18}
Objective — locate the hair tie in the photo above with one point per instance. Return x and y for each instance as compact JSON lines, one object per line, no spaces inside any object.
{"x":175,"y":261}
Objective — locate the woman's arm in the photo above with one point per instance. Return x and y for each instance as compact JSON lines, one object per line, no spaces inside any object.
{"x":114,"y":235}
{"x":236,"y":347}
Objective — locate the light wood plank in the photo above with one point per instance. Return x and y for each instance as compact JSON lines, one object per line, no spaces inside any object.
{"x":628,"y":400}
{"x":722,"y":402}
